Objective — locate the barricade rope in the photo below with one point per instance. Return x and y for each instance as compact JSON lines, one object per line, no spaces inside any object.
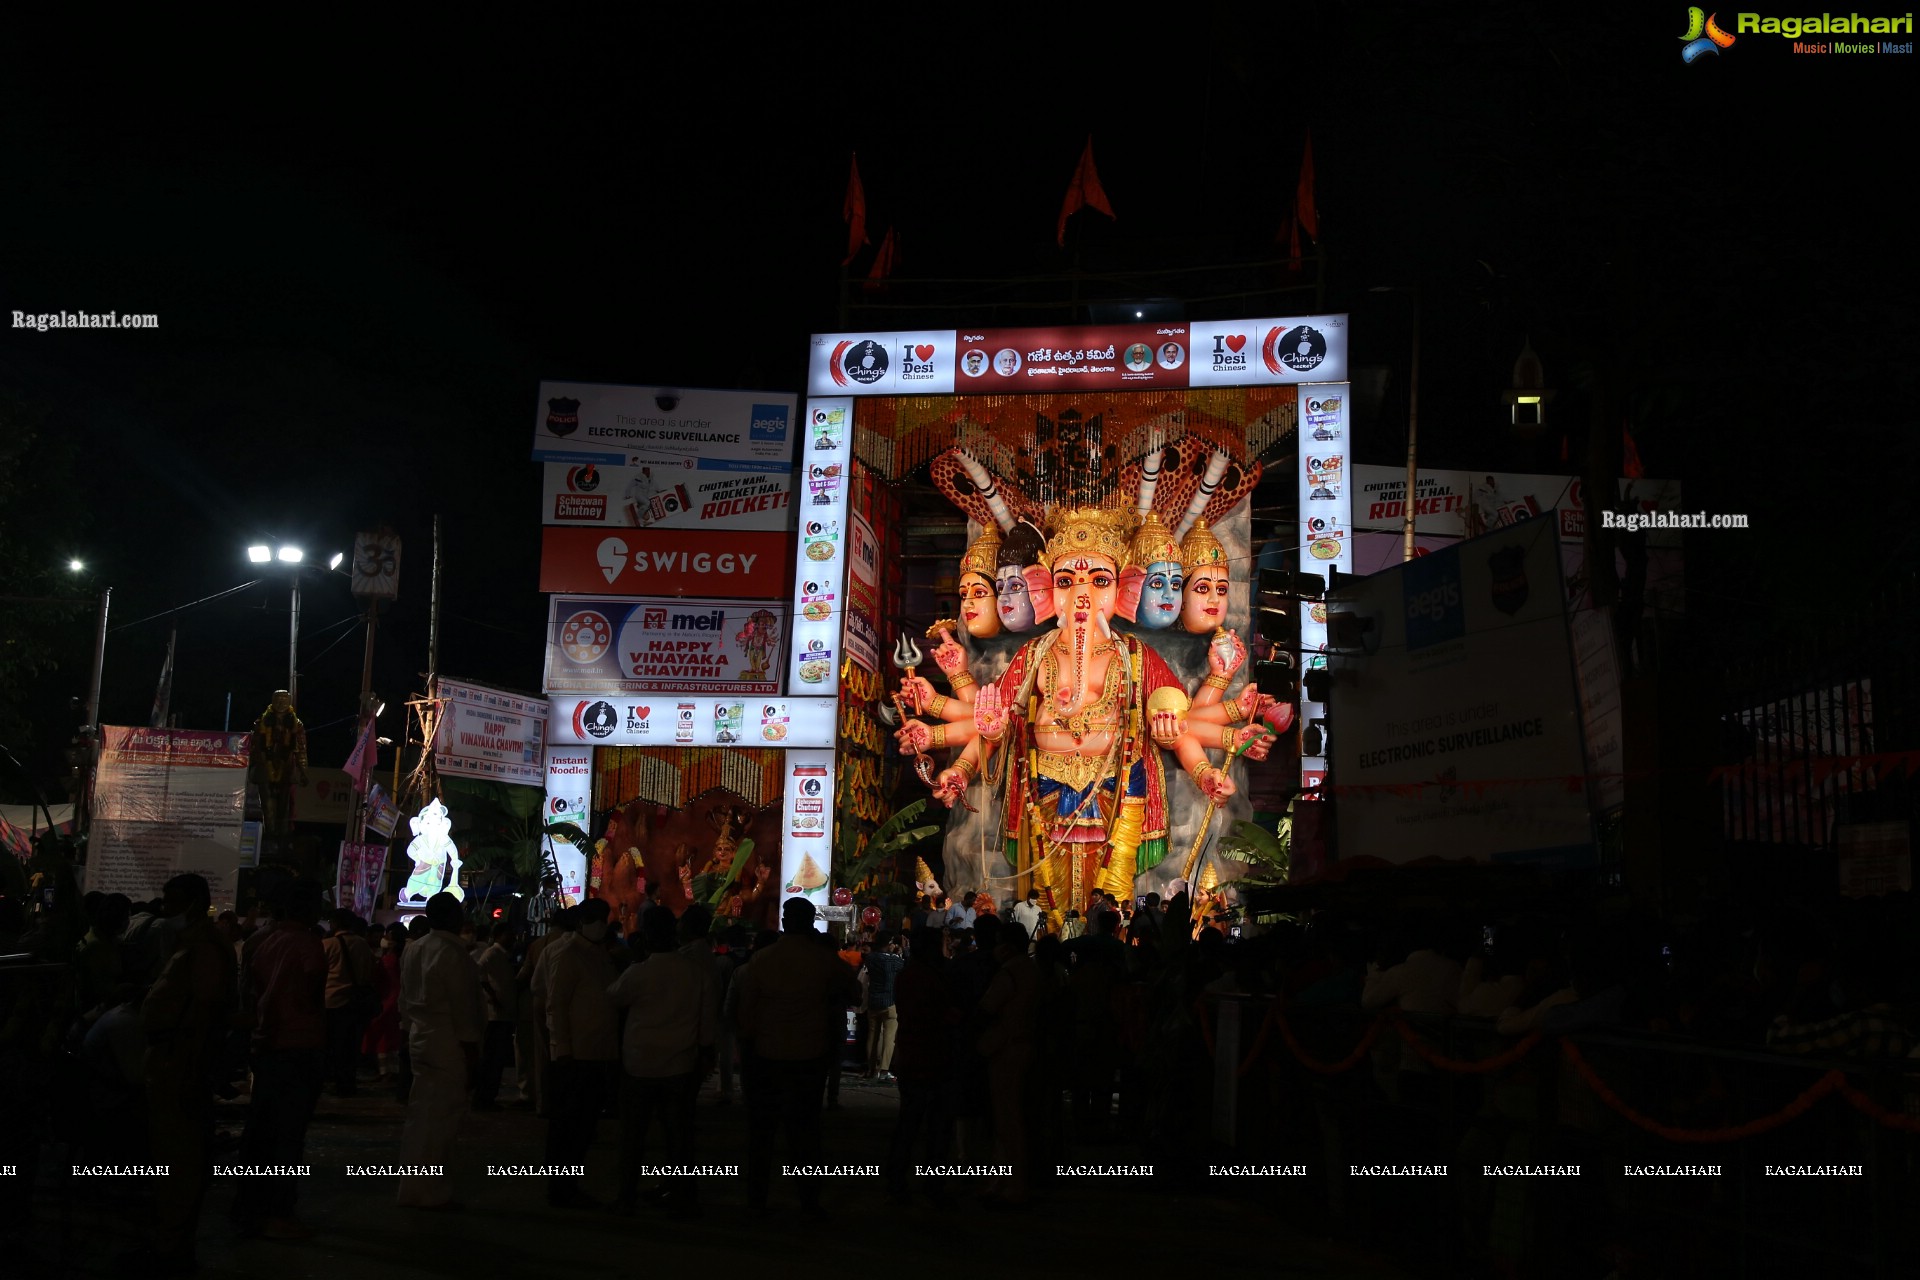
{"x":1731,"y":1133}
{"x":1834,"y":1081}
{"x":1435,"y":1058}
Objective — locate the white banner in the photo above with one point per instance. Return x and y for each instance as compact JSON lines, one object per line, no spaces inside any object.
{"x":668,"y":494}
{"x":487,"y":733}
{"x":1465,"y":685}
{"x":640,"y":720}
{"x":569,"y":792}
{"x":741,"y":431}
{"x":678,"y":645}
{"x":167,"y":802}
{"x":1326,"y":544}
{"x":806,"y":850}
{"x":820,"y":585}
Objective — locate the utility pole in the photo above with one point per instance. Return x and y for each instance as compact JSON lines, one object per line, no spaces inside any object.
{"x":293,"y":646}
{"x":1413,"y":432}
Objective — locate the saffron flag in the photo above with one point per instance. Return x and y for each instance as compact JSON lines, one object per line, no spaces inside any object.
{"x":1303,"y":207}
{"x":1294,"y":260}
{"x":884,"y":260}
{"x":360,"y":764}
{"x":1084,"y":191}
{"x":1630,"y":464}
{"x":854,"y":211}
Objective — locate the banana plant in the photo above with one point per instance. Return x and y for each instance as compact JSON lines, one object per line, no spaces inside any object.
{"x":890,"y":839}
{"x":1268,"y":853}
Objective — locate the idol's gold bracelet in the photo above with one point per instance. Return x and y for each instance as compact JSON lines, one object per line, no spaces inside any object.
{"x":967,"y":767}
{"x":1218,"y":681}
{"x":960,"y":680}
{"x":938,"y":737}
{"x":938,"y":704}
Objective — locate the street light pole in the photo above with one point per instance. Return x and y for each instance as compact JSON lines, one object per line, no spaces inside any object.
{"x":293,"y":645}
{"x":1413,"y":430}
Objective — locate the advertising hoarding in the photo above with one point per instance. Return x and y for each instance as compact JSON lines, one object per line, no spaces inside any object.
{"x":1119,"y":357}
{"x":569,"y":792}
{"x":1460,"y":704}
{"x":618,"y":426}
{"x":665,"y":562}
{"x":1326,"y":521}
{"x":666,"y":495}
{"x":820,"y":579}
{"x":167,"y":802}
{"x":488,"y":733}
{"x":806,"y":849}
{"x":674,"y":645}
{"x":666,"y":720}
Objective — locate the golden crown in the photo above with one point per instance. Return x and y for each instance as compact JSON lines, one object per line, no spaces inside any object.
{"x":1153,"y":544}
{"x":1202,"y":550}
{"x":1088,"y":531}
{"x":982,"y":555}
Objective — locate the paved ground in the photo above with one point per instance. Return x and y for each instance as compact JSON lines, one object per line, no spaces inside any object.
{"x":505,"y":1227}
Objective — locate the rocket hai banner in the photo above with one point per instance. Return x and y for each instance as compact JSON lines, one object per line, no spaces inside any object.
{"x":672,"y":494}
{"x":601,"y":645}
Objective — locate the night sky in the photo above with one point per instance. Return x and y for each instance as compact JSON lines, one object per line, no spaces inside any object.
{"x":361,"y":279}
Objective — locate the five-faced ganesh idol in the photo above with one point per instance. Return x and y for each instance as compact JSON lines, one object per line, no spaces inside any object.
{"x":1073,"y":731}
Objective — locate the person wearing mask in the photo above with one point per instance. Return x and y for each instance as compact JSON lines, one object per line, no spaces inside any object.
{"x":583,"y":1041}
{"x":883,"y":965}
{"x":788,"y":997}
{"x":350,"y":999}
{"x":665,"y":1051}
{"x":185,"y":1018}
{"x":440,"y":998}
{"x":1027,"y":914}
{"x":502,"y":991}
{"x":284,"y":989}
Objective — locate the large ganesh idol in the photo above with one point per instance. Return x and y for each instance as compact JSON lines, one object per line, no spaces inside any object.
{"x":1082,"y":736}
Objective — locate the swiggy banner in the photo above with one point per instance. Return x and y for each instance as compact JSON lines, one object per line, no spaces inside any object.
{"x":661,"y":562}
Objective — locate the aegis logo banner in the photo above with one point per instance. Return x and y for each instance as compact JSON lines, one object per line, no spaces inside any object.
{"x":1434,"y":603}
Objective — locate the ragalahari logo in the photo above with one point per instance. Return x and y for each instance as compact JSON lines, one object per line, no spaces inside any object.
{"x":1703,"y":35}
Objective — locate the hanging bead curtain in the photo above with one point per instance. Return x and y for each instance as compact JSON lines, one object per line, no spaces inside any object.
{"x":894,"y":435}
{"x":677,"y":776}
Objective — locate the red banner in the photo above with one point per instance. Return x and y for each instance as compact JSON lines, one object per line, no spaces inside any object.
{"x":659,"y":562}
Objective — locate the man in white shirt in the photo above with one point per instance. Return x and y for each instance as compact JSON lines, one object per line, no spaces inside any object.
{"x":440,"y":999}
{"x":583,"y":1045}
{"x":666,"y":1050}
{"x":1027,"y":914}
